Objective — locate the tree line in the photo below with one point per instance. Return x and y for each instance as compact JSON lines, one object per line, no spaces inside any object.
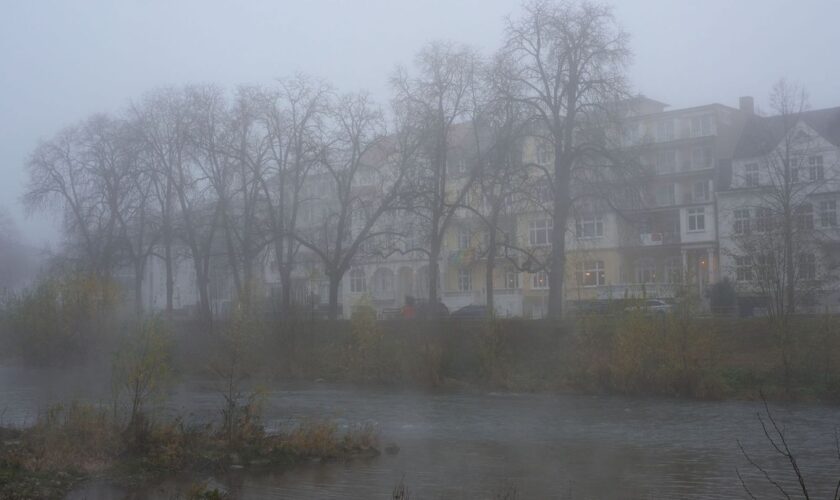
{"x":268,"y":171}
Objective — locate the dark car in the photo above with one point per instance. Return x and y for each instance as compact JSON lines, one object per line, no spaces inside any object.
{"x":470,"y":312}
{"x":426,"y":310}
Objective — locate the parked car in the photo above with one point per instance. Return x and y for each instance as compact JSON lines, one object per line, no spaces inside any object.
{"x":470,"y":312}
{"x":653,"y":306}
{"x":437,"y":310}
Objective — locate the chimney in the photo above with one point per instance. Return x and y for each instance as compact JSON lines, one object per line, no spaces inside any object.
{"x":746,"y":104}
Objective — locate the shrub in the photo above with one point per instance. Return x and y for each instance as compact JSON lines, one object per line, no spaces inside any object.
{"x":61,"y":320}
{"x":142,"y":368}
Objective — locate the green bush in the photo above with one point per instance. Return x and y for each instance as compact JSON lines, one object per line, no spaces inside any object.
{"x":62,"y":320}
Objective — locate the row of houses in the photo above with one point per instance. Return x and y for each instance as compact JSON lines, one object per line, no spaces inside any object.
{"x":710,"y":170}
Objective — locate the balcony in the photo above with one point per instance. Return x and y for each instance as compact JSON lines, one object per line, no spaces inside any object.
{"x":658,"y":239}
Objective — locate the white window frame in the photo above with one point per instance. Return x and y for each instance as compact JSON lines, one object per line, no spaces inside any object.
{"x":751,"y":175}
{"x":540,"y":232}
{"x":464,"y":238}
{"x":539,"y":280}
{"x":806,"y":266}
{"x":511,"y":279}
{"x":696,"y":218}
{"x":358,"y":281}
{"x":742,"y":221}
{"x":828,"y":213}
{"x":590,"y":227}
{"x":743,"y":268}
{"x":804,"y":216}
{"x":464,"y":280}
{"x":705,"y":193}
{"x":590,"y":273}
{"x":816,"y":170}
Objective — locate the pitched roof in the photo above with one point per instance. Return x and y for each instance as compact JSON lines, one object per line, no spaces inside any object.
{"x":762,"y":134}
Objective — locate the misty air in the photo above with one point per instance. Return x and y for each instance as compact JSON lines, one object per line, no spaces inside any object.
{"x":502,"y":249}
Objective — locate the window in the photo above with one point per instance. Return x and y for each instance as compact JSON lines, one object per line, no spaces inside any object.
{"x":666,"y":161}
{"x":665,"y":195}
{"x":539,"y":233}
{"x":464,"y":238}
{"x":805,"y":216}
{"x":751,"y":174}
{"x":763,"y":220}
{"x":697,"y":219}
{"x":631,"y":134}
{"x":701,"y":125}
{"x":700,"y":158}
{"x":464,"y":280}
{"x":646,"y":271}
{"x":815,"y":168}
{"x":358,"y":283}
{"x":665,"y":130}
{"x":766,"y":267}
{"x":590,"y":273}
{"x":742,"y":221}
{"x":794,"y":172}
{"x":511,"y":279}
{"x":807,"y":266}
{"x":743,"y":269}
{"x":700,"y":191}
{"x":539,"y":280}
{"x":590,"y":227}
{"x":673,"y":270}
{"x":828,"y":213}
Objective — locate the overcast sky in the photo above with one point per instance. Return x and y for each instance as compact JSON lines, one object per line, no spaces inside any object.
{"x":61,"y":61}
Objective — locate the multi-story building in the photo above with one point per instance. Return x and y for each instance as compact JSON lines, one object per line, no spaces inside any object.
{"x":698,"y":175}
{"x":781,"y":200}
{"x":668,"y":235}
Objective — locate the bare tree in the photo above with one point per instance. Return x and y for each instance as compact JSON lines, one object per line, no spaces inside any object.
{"x":162,"y":125}
{"x":73,"y":172}
{"x":244,"y":220}
{"x":14,"y":261}
{"x":360,"y":184}
{"x":778,"y":249}
{"x":293,"y":114}
{"x":499,"y":126}
{"x":435,"y":100}
{"x":776,"y":436}
{"x":567,"y":62}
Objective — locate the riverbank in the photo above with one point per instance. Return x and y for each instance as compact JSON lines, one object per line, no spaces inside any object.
{"x":74,"y":443}
{"x":704,"y":358}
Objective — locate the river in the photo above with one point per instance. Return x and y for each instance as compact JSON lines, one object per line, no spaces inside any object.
{"x":483,"y":444}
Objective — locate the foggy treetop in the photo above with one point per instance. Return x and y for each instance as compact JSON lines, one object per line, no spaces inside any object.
{"x":60,"y":62}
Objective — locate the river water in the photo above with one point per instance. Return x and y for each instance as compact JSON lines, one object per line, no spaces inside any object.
{"x":486,"y":444}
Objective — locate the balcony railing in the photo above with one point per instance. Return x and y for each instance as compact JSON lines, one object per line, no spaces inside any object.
{"x":657,"y":239}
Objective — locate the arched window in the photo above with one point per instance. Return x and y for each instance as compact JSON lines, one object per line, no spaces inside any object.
{"x":358,"y":283}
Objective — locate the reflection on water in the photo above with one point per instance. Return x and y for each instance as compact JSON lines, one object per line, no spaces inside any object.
{"x":465,"y":445}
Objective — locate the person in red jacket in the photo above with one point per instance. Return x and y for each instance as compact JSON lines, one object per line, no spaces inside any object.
{"x":408,"y":311}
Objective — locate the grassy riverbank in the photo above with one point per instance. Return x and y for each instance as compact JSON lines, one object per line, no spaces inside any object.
{"x":70,"y":444}
{"x":630,"y":354}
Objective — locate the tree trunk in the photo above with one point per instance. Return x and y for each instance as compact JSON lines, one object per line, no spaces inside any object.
{"x":488,"y":272}
{"x":286,"y":290}
{"x":170,"y":278}
{"x":139,"y":268}
{"x":434,"y":254}
{"x":335,"y":282}
{"x":556,"y":276}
